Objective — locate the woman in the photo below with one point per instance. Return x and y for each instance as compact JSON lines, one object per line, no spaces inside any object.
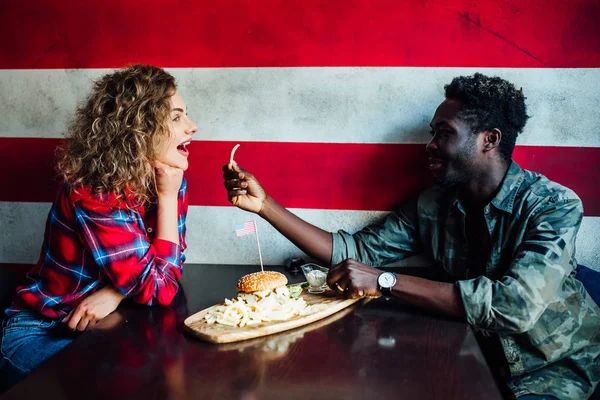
{"x":117,"y":226}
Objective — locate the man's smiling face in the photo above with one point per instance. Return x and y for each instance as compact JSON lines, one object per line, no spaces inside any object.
{"x":453,"y":148}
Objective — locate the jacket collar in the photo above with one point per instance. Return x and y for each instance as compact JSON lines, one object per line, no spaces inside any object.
{"x":505,"y":198}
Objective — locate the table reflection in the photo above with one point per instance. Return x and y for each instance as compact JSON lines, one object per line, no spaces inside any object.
{"x":369,"y":350}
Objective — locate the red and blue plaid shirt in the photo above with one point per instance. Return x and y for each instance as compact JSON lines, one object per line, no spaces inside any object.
{"x":92,"y":241}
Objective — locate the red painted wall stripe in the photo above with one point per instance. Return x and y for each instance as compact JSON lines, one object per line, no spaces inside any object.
{"x":244,"y":33}
{"x":306,"y":175}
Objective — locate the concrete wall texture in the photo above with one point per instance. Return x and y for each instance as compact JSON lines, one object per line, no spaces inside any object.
{"x":333,"y":92}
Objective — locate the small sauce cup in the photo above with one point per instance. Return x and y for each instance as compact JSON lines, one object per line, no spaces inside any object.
{"x":316,"y":276}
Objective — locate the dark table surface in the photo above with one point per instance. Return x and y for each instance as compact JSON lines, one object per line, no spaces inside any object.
{"x":378,"y":350}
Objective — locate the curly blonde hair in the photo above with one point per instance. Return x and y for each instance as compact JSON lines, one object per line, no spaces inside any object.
{"x":112,"y":141}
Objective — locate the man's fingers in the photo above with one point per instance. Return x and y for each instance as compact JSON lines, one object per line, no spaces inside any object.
{"x":335,"y":274}
{"x":229,"y":176}
{"x":227,"y":172}
{"x":343,"y":285}
{"x":231,"y":184}
{"x":233,"y":169}
{"x":355,"y":293}
{"x":236,"y":193}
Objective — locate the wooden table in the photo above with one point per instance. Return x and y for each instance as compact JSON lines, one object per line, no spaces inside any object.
{"x":378,"y":350}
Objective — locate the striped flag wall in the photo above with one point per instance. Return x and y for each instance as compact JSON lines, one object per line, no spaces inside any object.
{"x":331,"y":100}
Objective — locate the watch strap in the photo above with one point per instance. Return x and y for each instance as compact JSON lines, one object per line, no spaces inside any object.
{"x":386,"y":291}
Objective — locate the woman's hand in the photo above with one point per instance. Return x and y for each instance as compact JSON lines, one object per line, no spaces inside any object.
{"x":354,"y":279}
{"x":168,"y":180}
{"x":93,"y":308}
{"x":243,"y":190}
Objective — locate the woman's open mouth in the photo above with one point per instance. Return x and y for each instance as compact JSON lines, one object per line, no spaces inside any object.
{"x":182,"y":148}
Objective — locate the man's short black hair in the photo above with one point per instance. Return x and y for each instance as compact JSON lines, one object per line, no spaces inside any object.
{"x":488,"y":103}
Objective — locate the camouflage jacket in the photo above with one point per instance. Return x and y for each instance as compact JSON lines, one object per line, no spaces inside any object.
{"x":547,"y":324}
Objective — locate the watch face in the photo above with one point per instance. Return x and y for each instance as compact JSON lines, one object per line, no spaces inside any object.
{"x":387,"y":280}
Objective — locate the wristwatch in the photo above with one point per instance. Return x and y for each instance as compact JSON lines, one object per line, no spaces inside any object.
{"x":386,"y":282}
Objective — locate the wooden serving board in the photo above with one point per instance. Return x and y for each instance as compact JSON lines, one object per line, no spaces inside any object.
{"x":321,"y":305}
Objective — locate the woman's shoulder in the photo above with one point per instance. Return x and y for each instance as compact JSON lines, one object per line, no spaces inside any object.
{"x":88,"y":198}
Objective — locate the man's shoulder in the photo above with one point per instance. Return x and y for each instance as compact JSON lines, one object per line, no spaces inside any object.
{"x":539,"y":195}
{"x":539,"y":186}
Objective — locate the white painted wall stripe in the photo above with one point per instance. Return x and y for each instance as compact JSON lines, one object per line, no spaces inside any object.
{"x":333,"y":105}
{"x":210,"y":242}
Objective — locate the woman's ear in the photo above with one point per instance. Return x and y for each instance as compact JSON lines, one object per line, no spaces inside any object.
{"x":491,"y":139}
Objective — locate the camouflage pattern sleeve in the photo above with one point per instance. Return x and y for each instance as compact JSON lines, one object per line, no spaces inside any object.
{"x":541,"y":263}
{"x":391,"y":240}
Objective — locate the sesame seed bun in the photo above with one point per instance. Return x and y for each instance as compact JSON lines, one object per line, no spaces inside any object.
{"x":257,"y":281}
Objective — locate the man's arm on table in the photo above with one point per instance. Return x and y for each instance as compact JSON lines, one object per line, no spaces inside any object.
{"x":512,"y":304}
{"x":430,"y":295}
{"x":356,"y":279}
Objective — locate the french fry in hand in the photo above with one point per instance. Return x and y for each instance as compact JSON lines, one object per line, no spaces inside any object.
{"x":232,"y":154}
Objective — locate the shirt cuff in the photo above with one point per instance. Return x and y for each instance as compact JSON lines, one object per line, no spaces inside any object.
{"x":338,"y":249}
{"x":476,"y":296}
{"x":167,"y":250}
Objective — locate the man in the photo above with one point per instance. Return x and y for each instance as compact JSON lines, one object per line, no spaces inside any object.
{"x":506,"y":236}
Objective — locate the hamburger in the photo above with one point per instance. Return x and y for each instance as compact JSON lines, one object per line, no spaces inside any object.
{"x":261,"y":281}
{"x":262,"y":297}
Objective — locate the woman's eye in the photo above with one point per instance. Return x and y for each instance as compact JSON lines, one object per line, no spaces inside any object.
{"x":177,"y":119}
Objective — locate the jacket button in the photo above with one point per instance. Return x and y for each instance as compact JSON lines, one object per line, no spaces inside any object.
{"x":149,"y":230}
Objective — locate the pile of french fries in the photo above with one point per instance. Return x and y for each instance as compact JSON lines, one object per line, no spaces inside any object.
{"x":253,"y":308}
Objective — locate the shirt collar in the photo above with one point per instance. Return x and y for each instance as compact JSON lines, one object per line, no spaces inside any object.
{"x":505,"y":198}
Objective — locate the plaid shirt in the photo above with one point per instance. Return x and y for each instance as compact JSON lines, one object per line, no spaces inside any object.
{"x":92,"y":241}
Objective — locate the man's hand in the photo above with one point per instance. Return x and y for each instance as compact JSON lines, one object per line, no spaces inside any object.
{"x":94,"y":308}
{"x":168,"y":180}
{"x":243,"y":190}
{"x":354,"y":279}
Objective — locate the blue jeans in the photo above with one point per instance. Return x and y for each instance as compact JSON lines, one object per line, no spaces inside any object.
{"x":28,"y":339}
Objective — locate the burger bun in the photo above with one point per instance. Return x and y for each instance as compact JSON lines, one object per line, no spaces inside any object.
{"x":259,"y":281}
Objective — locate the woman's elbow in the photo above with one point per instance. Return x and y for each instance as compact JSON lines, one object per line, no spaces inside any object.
{"x":159,"y":297}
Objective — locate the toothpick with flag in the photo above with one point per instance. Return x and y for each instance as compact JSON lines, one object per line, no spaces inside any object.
{"x":247,"y":228}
